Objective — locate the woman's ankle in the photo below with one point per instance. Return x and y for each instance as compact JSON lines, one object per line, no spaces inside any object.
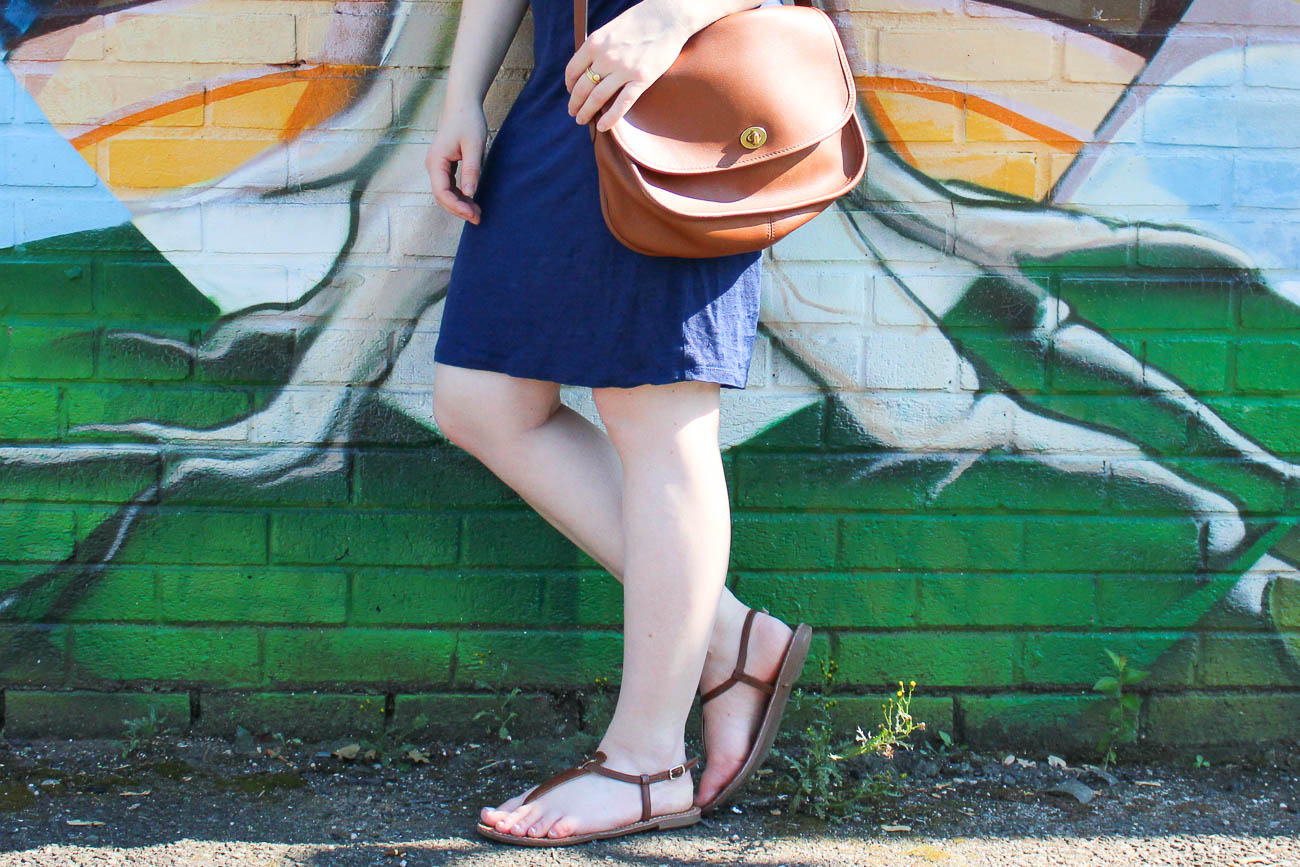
{"x":642,"y":754}
{"x":730,"y":618}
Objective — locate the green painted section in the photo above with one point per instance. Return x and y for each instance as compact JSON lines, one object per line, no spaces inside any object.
{"x":79,"y":713}
{"x":1066,"y":723}
{"x":1231,"y":718}
{"x":407,"y":569}
{"x":324,"y":714}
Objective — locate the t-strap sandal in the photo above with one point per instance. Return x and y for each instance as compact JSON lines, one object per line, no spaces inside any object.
{"x":596,"y":765}
{"x":796,"y":652}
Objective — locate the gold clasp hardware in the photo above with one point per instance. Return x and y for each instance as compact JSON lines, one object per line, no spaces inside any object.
{"x":674,"y":773}
{"x":753,"y":137}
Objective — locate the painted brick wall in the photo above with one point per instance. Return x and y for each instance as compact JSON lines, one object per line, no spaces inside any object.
{"x":1028,"y":394}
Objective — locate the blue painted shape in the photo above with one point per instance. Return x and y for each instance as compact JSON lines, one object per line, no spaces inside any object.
{"x":46,"y":186}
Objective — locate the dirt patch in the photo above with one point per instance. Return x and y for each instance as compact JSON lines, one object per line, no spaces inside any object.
{"x":184,"y":800}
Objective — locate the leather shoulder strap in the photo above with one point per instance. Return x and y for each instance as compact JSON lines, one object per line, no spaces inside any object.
{"x":580,"y":20}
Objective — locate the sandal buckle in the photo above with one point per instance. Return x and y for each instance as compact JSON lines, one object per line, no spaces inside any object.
{"x":675,"y":773}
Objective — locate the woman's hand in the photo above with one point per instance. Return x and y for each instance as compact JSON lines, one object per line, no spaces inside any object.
{"x":629,"y":53}
{"x":461,"y":138}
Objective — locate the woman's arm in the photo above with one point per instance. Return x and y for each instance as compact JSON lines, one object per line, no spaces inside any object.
{"x":483,"y":36}
{"x":632,"y":51}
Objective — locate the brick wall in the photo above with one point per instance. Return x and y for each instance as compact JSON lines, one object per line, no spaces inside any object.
{"x":1028,"y":394}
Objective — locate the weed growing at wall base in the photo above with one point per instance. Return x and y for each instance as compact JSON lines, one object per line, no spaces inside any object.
{"x":498,"y":715}
{"x":819,"y":774}
{"x":1124,"y":715}
{"x":385,"y":745}
{"x":141,"y":730}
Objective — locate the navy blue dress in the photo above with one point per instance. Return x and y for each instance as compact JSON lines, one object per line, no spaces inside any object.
{"x":541,"y":289}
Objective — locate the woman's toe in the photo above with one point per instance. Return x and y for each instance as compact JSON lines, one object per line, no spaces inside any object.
{"x":494,"y":815}
{"x":510,"y":820}
{"x":542,"y":825}
{"x":563,"y":827}
{"x":513,"y":804}
{"x":715,"y":778}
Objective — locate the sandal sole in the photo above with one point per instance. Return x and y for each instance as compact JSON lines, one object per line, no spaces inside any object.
{"x":791,"y":667}
{"x":665,"y":822}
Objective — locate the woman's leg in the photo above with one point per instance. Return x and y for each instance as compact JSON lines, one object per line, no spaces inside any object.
{"x":677,"y":532}
{"x":567,"y":469}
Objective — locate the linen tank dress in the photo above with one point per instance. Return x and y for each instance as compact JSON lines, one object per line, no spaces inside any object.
{"x":540,"y":288}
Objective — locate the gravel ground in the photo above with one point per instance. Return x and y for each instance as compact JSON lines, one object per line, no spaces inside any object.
{"x":197,"y":801}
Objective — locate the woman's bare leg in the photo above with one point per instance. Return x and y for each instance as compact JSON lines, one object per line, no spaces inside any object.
{"x":677,"y":536}
{"x":567,"y":469}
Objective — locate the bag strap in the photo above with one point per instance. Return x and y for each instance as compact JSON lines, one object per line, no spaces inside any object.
{"x":580,"y":20}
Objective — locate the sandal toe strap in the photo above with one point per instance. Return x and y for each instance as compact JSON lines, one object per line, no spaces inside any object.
{"x":596,"y":765}
{"x":738,"y":675}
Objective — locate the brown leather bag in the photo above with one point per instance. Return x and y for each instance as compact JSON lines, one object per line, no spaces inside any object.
{"x":749,"y":134}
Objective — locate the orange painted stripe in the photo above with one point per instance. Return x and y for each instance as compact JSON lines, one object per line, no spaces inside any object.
{"x":225,"y":91}
{"x":320,"y":99}
{"x":1040,"y":131}
{"x":892,"y":135}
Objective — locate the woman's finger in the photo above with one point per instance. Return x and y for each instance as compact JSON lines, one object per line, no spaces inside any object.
{"x":579,"y":92}
{"x":620,"y":105}
{"x":580,"y":60}
{"x":469,"y":168}
{"x":600,"y":94}
{"x":452,"y":202}
{"x":446,"y":195}
{"x":437,"y":165}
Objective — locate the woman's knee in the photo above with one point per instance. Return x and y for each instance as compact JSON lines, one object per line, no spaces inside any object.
{"x":650,"y":415}
{"x":452,"y":412}
{"x":474,"y":407}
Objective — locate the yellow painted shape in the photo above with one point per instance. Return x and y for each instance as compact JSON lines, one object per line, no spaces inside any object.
{"x":1015,"y":173}
{"x":983,"y":128}
{"x":1007,"y":153}
{"x":264,"y":108}
{"x":282,"y":104}
{"x":168,"y":163}
{"x":190,"y":115}
{"x":916,"y":119}
{"x":289,"y":105}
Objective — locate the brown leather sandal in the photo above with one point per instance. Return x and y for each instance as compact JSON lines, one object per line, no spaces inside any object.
{"x":796,"y":652}
{"x":596,"y":765}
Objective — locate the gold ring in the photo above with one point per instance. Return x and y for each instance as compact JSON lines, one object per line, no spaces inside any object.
{"x":593,"y":75}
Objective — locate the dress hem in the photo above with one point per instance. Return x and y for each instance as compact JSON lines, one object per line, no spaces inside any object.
{"x":723,"y":376}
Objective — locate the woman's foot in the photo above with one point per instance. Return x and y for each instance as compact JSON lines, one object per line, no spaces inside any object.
{"x":592,"y":803}
{"x":732,"y":718}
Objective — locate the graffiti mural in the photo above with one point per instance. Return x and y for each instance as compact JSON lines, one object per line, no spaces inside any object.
{"x":1024,"y":394}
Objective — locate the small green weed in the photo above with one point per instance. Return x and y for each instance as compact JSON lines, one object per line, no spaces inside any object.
{"x":498,"y":715}
{"x":598,"y":705}
{"x":271,"y":744}
{"x":141,"y":730}
{"x":1201,"y":761}
{"x":386,"y":745}
{"x":595,"y":709}
{"x":1124,"y":715}
{"x":819,"y":776}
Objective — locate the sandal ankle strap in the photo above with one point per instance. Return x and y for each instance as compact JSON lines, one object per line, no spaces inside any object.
{"x":738,"y":675}
{"x":596,"y":765}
